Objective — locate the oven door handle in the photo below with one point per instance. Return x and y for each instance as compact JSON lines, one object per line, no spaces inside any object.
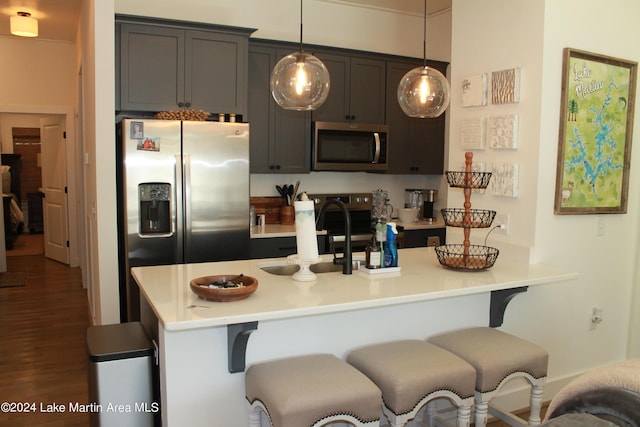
{"x":354,"y":237}
{"x":376,"y":156}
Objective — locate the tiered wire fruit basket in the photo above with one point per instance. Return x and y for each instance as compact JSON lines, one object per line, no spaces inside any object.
{"x":466,"y":256}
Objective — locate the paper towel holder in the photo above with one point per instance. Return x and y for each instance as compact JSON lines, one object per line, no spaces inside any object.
{"x":304,"y":274}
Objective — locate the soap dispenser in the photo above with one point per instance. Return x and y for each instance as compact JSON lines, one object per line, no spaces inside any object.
{"x":390,"y":246}
{"x":373,"y":257}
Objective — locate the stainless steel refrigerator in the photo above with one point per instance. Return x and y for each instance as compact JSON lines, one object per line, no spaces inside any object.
{"x":184,"y":196}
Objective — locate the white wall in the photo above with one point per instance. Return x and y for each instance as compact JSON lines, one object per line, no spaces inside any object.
{"x":98,"y":67}
{"x":37,"y":72}
{"x":606,"y":263}
{"x":531,"y":35}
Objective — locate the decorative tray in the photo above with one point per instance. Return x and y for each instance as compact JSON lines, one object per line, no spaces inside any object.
{"x":471,"y":258}
{"x":379,"y":270}
{"x":188,"y":115}
{"x":473,"y":218}
{"x":462,"y":179}
{"x":224,"y":287}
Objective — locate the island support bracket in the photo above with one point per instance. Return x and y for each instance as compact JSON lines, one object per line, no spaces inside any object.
{"x":499,"y":301}
{"x":237,"y":338}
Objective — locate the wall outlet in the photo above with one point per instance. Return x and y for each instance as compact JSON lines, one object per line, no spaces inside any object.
{"x":596,"y":318}
{"x":501,"y":221}
{"x":601,"y":228}
{"x":433,"y":241}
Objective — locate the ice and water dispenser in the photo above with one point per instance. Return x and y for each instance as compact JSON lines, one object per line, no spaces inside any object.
{"x":423,"y":199}
{"x":155,"y":208}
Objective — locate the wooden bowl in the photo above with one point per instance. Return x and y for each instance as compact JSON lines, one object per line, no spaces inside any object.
{"x":200,"y":286}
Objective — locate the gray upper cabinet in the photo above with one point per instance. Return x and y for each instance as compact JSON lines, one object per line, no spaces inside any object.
{"x":280,"y":140}
{"x":357,"y":90}
{"x":167,"y":67}
{"x":416,"y":145}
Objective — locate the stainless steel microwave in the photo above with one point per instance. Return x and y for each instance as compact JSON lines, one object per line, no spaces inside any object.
{"x":350,"y":147}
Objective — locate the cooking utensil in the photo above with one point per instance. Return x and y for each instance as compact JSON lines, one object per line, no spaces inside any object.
{"x":290,"y":194}
{"x":295,"y":191}
{"x":283,"y":191}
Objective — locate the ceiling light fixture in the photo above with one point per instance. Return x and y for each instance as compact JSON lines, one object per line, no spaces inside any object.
{"x":424,"y":91}
{"x":300,"y":81}
{"x":24,"y":25}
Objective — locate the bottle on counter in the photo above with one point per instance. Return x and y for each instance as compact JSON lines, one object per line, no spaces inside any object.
{"x":373,"y":257}
{"x":390,"y":246}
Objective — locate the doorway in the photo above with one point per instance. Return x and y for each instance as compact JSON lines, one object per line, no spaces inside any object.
{"x":32,"y":118}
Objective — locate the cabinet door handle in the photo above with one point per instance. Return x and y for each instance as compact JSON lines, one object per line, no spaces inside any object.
{"x":187,"y":104}
{"x":180,"y":104}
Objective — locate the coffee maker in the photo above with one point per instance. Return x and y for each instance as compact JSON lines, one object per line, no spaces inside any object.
{"x":423,"y":199}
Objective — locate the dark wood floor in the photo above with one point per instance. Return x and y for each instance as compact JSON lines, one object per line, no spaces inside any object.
{"x":43,"y":359}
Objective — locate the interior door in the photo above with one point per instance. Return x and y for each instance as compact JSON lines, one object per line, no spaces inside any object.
{"x":54,"y":183}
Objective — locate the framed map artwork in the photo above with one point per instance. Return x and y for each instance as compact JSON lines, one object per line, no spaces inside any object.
{"x":596,"y":123}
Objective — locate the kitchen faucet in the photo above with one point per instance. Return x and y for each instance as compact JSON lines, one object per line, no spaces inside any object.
{"x":347,"y":259}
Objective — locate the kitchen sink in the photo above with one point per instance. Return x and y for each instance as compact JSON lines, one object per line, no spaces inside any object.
{"x":283,"y":268}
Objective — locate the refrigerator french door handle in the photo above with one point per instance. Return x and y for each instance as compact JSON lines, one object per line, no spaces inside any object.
{"x":186,"y":174}
{"x":179,"y":207}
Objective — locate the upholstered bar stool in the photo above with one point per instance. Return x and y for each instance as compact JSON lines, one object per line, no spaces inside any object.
{"x":310,"y":390}
{"x":412,"y":373}
{"x":498,"y":357}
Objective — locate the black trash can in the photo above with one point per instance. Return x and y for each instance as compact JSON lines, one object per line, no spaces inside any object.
{"x":120,"y":376}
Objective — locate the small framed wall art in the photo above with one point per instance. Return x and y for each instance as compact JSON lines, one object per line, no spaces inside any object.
{"x":503,"y":132}
{"x":474,"y":91}
{"x":472,"y":134}
{"x":505,"y":86}
{"x":596,"y":123}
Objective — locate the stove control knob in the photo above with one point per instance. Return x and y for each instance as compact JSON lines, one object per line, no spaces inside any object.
{"x":366,"y":199}
{"x":358,"y":199}
{"x":316,"y":201}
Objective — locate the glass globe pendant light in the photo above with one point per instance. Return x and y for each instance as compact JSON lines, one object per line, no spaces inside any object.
{"x":424,"y":91}
{"x":300,"y":81}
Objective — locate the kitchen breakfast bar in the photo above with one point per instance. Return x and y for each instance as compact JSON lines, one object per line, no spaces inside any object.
{"x":204,"y":346}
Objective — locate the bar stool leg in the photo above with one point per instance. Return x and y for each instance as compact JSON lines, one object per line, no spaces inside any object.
{"x":482,"y":409}
{"x":432,"y":412}
{"x":536,"y":403}
{"x":464,"y":415}
{"x":255,"y":418}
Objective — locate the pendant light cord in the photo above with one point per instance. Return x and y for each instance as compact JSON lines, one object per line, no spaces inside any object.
{"x":424,"y":40}
{"x":301,"y":25}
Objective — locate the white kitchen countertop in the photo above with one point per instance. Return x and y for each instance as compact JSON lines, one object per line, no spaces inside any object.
{"x":166,"y":288}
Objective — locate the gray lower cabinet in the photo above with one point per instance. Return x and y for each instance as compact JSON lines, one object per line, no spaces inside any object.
{"x":423,"y":237}
{"x":278,"y":247}
{"x":280,"y":140}
{"x":416,"y":145}
{"x":163,"y":67}
{"x":357,"y":89}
